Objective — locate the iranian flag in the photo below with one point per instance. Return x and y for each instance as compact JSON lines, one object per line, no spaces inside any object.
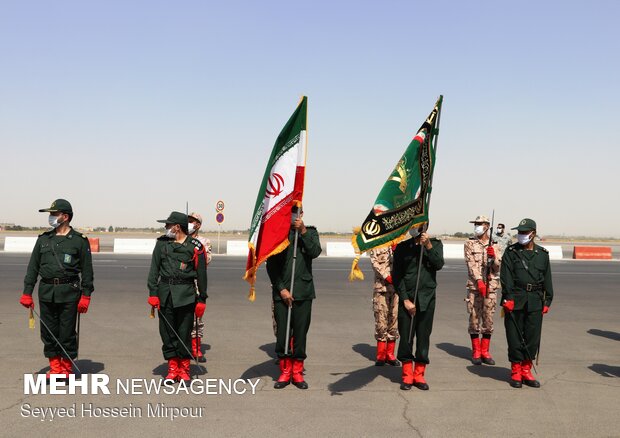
{"x":281,"y":188}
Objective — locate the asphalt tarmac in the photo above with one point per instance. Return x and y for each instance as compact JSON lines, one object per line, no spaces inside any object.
{"x":579,"y":366}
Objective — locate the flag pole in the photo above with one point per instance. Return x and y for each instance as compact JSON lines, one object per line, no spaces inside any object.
{"x":428,"y":203}
{"x":288,"y":315}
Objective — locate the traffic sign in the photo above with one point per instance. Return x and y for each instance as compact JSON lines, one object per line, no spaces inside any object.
{"x":219,"y":206}
{"x":219,"y":218}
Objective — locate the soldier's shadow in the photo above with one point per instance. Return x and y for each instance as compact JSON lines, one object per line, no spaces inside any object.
{"x":486,"y":371}
{"x":358,"y":379}
{"x":494,"y":372}
{"x":455,"y":350}
{"x":162,"y":370}
{"x":266,"y":368}
{"x":85,"y":366}
{"x":605,"y":370}
{"x":614,"y":336}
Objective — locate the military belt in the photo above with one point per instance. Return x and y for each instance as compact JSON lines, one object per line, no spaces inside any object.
{"x":63,"y":280}
{"x":174,"y":281}
{"x":529,"y":287}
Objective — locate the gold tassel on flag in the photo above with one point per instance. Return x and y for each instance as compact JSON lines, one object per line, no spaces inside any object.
{"x":356,"y":272}
{"x":252,"y":294}
{"x":31,"y":320}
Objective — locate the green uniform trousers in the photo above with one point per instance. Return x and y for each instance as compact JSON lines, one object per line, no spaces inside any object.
{"x":527,"y":324}
{"x":182,"y":321}
{"x":422,"y":328}
{"x":300,"y":323}
{"x":60,"y":319}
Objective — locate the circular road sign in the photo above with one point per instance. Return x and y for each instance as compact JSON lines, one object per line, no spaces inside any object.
{"x":219,"y":206}
{"x":219,"y":218}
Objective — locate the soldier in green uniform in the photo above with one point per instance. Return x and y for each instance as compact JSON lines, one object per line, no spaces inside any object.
{"x":178,"y":260}
{"x":279,"y":268}
{"x":527,"y":292}
{"x":62,"y":258}
{"x":421,"y":312}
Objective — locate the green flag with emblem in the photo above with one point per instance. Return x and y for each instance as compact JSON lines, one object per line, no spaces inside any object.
{"x":403,"y":202}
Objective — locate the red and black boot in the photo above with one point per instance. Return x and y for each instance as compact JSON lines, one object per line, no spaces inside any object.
{"x":418,"y":376}
{"x":526,"y":374}
{"x":184,"y":373}
{"x":515,"y":375}
{"x":173,"y":369}
{"x":389,"y":354}
{"x":55,"y":367}
{"x":196,"y":350}
{"x":298,"y":374}
{"x":484,"y":350}
{"x":66,"y":367}
{"x":381,"y":353}
{"x":407,"y":376}
{"x":286,"y":370}
{"x":476,"y":353}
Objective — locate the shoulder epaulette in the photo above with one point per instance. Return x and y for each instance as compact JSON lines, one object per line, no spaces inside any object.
{"x":310,"y":227}
{"x":511,"y":247}
{"x":472,"y":238}
{"x":46,"y":233}
{"x":435,"y":239}
{"x":543,"y":248}
{"x":196,"y":243}
{"x":163,"y":238}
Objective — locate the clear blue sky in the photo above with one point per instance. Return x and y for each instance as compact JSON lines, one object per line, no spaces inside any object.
{"x":131,"y":108}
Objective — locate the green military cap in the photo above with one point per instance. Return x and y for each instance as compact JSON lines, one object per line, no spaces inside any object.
{"x":61,"y":205}
{"x":525,"y":225}
{"x":175,"y":217}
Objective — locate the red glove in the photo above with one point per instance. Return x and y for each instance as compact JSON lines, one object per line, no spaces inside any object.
{"x":388,"y":279}
{"x":26,"y":301}
{"x":83,"y":304}
{"x":482,"y":287}
{"x":490,"y":252}
{"x":509,"y":305}
{"x":154,"y":302}
{"x":545,"y":309}
{"x":200,"y":309}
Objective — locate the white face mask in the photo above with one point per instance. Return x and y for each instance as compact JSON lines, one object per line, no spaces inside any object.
{"x":191,"y":228}
{"x":524,"y":239}
{"x":171,"y":234}
{"x":414,"y":232}
{"x":479,"y":230}
{"x":54,"y":221}
{"x":294,"y":217}
{"x":500,"y":231}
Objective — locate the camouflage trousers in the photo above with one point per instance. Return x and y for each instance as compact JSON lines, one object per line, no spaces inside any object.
{"x":385,"y":308}
{"x":198,"y":329}
{"x":481,"y":311}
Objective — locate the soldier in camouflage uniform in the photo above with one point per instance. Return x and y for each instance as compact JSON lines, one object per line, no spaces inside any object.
{"x":178,"y":264}
{"x":482,"y":285}
{"x":385,"y":306}
{"x":195,"y":222}
{"x":62,"y":258}
{"x":502,"y":238}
